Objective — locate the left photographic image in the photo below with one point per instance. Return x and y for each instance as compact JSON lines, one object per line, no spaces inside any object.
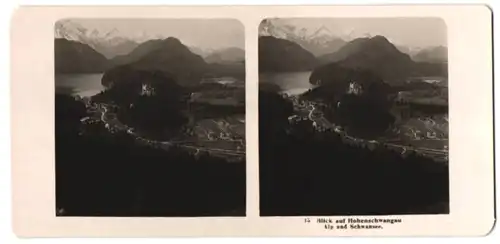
{"x":150,"y":117}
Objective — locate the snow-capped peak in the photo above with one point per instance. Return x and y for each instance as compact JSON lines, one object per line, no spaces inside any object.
{"x":321,"y":32}
{"x":73,"y":31}
{"x":109,"y":43}
{"x":69,"y":30}
{"x":272,"y":27}
{"x":112,"y":34}
{"x":321,"y":35}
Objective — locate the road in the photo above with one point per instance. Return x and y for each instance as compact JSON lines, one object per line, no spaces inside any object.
{"x":311,"y":110}
{"x":164,"y":144}
{"x":104,"y":115}
{"x":323,"y":122}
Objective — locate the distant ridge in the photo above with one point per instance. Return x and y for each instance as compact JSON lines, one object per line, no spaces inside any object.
{"x":169,"y":56}
{"x":319,"y":41}
{"x":172,"y":57}
{"x":76,"y":57}
{"x":280,"y":55}
{"x":437,"y":54}
{"x":226,"y":55}
{"x":378,"y":55}
{"x":110,"y":43}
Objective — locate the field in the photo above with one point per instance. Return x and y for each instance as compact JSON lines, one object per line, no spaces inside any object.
{"x":423,"y":132}
{"x":222,"y":133}
{"x":219,"y":120}
{"x":423,"y":119}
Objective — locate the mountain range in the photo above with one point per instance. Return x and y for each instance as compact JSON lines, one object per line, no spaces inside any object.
{"x":375,"y":54}
{"x":167,"y":55}
{"x":318,"y":42}
{"x":110,"y":44}
{"x":323,"y":41}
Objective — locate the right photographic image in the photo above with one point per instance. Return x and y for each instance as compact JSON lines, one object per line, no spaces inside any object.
{"x":353,"y":116}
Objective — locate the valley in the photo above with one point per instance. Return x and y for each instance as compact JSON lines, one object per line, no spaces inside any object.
{"x":149,"y":118}
{"x":414,"y":99}
{"x":215,"y":88}
{"x":365,"y":112}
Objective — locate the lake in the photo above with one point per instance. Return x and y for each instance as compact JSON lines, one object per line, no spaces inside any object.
{"x":84,"y":85}
{"x":291,"y":83}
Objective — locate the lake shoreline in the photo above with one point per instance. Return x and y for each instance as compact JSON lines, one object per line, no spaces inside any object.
{"x":290,"y":83}
{"x":83,"y":85}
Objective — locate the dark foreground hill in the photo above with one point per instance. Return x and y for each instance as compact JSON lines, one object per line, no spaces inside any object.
{"x":308,"y":172}
{"x":99,"y":173}
{"x":356,"y":99}
{"x":151,"y":101}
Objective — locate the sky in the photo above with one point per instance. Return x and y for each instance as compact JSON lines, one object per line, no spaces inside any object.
{"x":411,"y":32}
{"x":202,"y":33}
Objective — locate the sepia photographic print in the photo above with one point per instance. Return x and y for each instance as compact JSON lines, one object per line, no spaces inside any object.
{"x":150,"y":117}
{"x":353,"y":116}
{"x":252,"y":121}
